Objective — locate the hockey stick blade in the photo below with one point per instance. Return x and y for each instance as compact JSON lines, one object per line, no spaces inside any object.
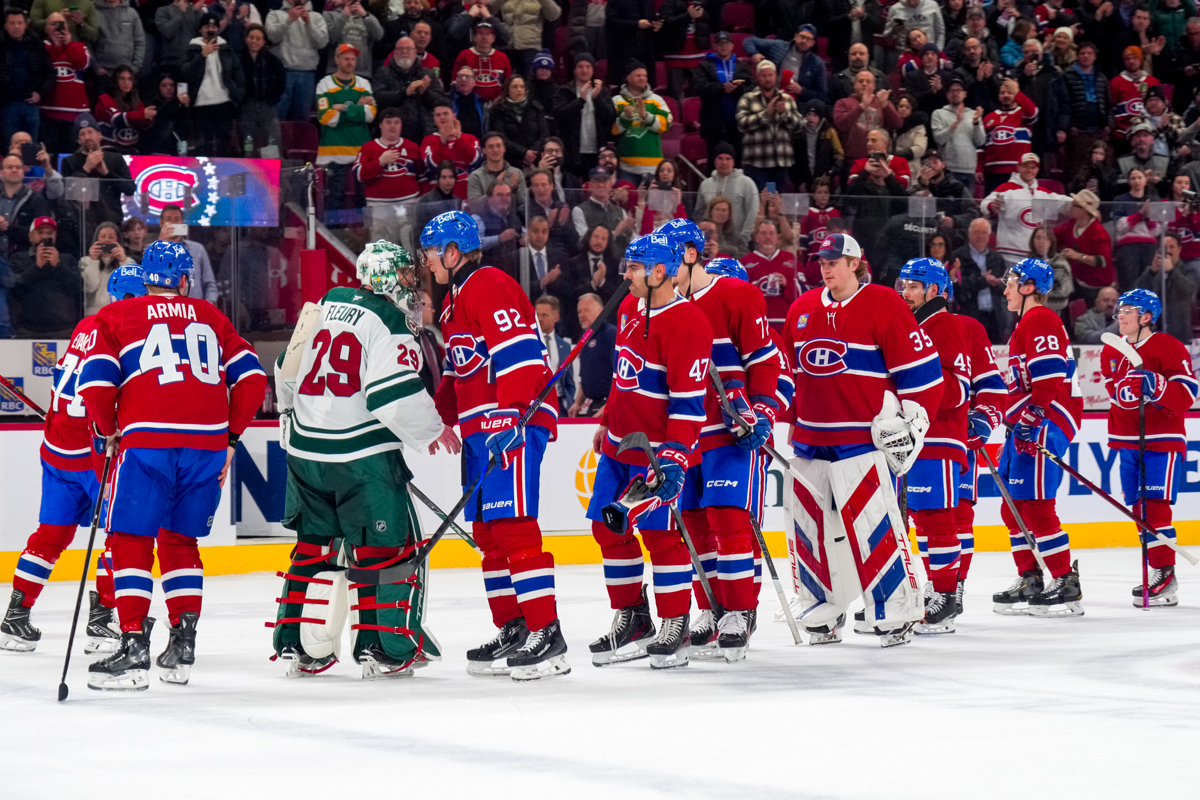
{"x":1119,"y":343}
{"x":24,"y":398}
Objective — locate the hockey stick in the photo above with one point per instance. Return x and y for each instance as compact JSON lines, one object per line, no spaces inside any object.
{"x":437,"y":512}
{"x":24,"y":398}
{"x":723,"y":397}
{"x":1002,"y":485}
{"x":406,"y":569}
{"x":639,"y":441}
{"x":87,"y":560}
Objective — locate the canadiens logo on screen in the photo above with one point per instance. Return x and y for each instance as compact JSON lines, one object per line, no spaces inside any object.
{"x":166,"y":185}
{"x":467,"y":360}
{"x":629,"y":364}
{"x":822,"y":358}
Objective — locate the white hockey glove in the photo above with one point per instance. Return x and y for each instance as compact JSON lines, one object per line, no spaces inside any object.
{"x":899,"y":432}
{"x":285,"y":428}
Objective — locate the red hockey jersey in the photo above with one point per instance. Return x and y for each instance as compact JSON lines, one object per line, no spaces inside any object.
{"x":814,"y":228}
{"x":494,"y":356}
{"x":777,"y":279}
{"x":847,"y":354}
{"x":1009,"y":135}
{"x":659,"y":382}
{"x":491,"y":71}
{"x":464,"y":152}
{"x":1041,"y":370}
{"x":170,"y":371}
{"x":946,"y":438}
{"x":987,"y":386}
{"x":742,"y":349}
{"x":1165,"y":418}
{"x":67,"y":441}
{"x":70,"y":97}
{"x":1128,"y":92}
{"x":398,"y":180}
{"x":898,"y":165}
{"x":785,"y":385}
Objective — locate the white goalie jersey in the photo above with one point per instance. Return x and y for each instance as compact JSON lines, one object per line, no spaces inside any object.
{"x":358,"y":391}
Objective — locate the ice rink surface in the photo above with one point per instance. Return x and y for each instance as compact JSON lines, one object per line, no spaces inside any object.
{"x":1103,"y":706}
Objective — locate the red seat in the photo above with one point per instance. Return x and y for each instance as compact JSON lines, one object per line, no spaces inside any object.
{"x":1052,"y":185}
{"x":562,"y":59}
{"x":673,"y":107}
{"x":660,"y":76}
{"x":600,"y":70}
{"x":1076,"y":309}
{"x":894,"y":81}
{"x":671,"y":148}
{"x":738,"y":17}
{"x":1168,"y":93}
{"x":300,"y":140}
{"x":693,"y":148}
{"x":691,"y":113}
{"x":739,"y":44}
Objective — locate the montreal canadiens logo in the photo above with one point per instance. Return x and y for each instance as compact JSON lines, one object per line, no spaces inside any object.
{"x":167,"y":185}
{"x":771,"y":285}
{"x":466,"y":358}
{"x":822,"y":358}
{"x":1126,"y":396}
{"x":1136,"y":106}
{"x":629,"y":364}
{"x":1001,"y":135}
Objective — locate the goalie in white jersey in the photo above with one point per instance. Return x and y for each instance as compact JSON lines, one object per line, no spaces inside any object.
{"x":355,"y":400}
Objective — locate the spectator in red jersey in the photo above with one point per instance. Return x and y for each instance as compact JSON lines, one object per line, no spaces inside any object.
{"x":684,"y":40}
{"x":1087,"y":246}
{"x":856,"y":116}
{"x":878,"y":145}
{"x":121,"y":113}
{"x":814,"y":227}
{"x":1128,"y":91}
{"x":387,"y":168}
{"x":1009,"y":135}
{"x":774,"y":272}
{"x":491,"y":67}
{"x":1187,"y":221}
{"x":70,"y":59}
{"x":449,"y":143}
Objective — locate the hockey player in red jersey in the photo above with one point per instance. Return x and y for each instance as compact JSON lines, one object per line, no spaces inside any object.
{"x":856,"y":346}
{"x":1166,"y":383}
{"x":1045,"y":407}
{"x":70,"y":486}
{"x":495,"y":367}
{"x":660,"y":381}
{"x":171,"y":378}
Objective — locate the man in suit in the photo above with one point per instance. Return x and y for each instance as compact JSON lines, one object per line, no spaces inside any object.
{"x":980,"y":293}
{"x":595,"y":361}
{"x":545,"y":262}
{"x":547,"y":309}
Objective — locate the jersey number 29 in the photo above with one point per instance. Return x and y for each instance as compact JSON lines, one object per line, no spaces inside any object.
{"x":344,"y":355}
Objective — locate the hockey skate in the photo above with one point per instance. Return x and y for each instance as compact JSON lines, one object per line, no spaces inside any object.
{"x":703,"y":636}
{"x":491,"y":658}
{"x":939,"y":614}
{"x":17,"y":633}
{"x":831,"y":634}
{"x":376,"y":663}
{"x":543,"y":655}
{"x":736,"y":628}
{"x":301,"y":665}
{"x":1062,"y":597}
{"x":128,"y":669}
{"x":860,"y":624}
{"x":1163,"y":589}
{"x":103,"y":633}
{"x":632,"y":629}
{"x":177,"y":660}
{"x":670,"y":648}
{"x":889,"y":638}
{"x":1014,"y":601}
{"x":958,"y":597}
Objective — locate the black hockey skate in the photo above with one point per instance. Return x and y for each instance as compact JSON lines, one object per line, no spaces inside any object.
{"x":177,"y":660}
{"x":832,"y":634}
{"x":632,"y":629}
{"x":860,"y":624}
{"x":702,"y":638}
{"x":940,"y":610}
{"x":736,"y":628}
{"x":491,"y":658}
{"x":958,"y":597}
{"x":17,"y":633}
{"x":128,"y":669}
{"x":103,"y":634}
{"x":1014,"y":601}
{"x":670,"y":648}
{"x":1163,"y":589}
{"x":301,"y":664}
{"x":543,"y":655}
{"x":376,"y":663}
{"x":1062,"y":597}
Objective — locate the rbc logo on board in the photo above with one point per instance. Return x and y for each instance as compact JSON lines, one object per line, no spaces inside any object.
{"x":822,"y":358}
{"x":629,"y":364}
{"x":45,"y":356}
{"x":9,"y":402}
{"x":463,"y":354}
{"x":167,"y":185}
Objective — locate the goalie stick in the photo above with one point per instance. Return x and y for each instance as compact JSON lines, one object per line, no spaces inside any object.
{"x":406,"y":569}
{"x":723,"y":398}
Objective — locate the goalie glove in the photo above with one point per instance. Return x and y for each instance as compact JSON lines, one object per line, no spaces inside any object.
{"x":285,"y":428}
{"x":899,"y":432}
{"x":1029,"y":423}
{"x":764,"y":410}
{"x":735,"y":390}
{"x":1139,"y":383}
{"x":507,"y":438}
{"x":981,"y":422}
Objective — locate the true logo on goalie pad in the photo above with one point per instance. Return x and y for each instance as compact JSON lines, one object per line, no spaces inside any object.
{"x":822,"y":358}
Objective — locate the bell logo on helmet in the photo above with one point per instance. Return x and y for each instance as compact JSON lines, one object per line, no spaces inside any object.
{"x":822,"y":358}
{"x":629,"y":364}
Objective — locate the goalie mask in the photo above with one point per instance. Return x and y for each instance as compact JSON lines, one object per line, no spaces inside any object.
{"x":389,"y":270}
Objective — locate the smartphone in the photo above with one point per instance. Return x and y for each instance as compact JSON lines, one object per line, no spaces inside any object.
{"x":877,"y":156}
{"x":180,"y":229}
{"x":770,"y":187}
{"x":663,"y":185}
{"x":181,"y":88}
{"x":108,"y":247}
{"x":29,"y":154}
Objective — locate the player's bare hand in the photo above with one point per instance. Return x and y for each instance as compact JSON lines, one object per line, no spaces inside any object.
{"x":225,"y":469}
{"x":598,"y":437}
{"x":448,"y":440}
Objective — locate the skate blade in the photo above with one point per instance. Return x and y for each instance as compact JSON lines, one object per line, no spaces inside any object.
{"x":671,"y":660}
{"x":825,"y":637}
{"x":490,"y":669}
{"x":15,"y":644}
{"x":732,"y":655}
{"x":131,"y":680}
{"x":709,"y":651}
{"x":178,"y":675}
{"x":1012,"y":609}
{"x":100,"y":644}
{"x":631,"y":652}
{"x":1163,"y":601}
{"x":314,"y":667}
{"x":921,"y":629}
{"x":374,"y":670}
{"x":1074,"y":609}
{"x":897,"y":637}
{"x":549,"y":668}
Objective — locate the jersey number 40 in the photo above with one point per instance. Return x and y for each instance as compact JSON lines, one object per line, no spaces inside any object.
{"x":161,"y":351}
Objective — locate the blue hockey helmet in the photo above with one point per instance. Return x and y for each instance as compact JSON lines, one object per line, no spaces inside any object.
{"x":164,"y":263}
{"x":452,"y":227}
{"x":682,"y":232}
{"x":728,"y":267}
{"x":1144,"y":300}
{"x":1036,"y":270}
{"x":927,"y":271}
{"x":126,"y":280}
{"x":654,"y":248}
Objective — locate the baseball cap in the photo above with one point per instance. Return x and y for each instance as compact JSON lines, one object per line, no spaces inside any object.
{"x":346,"y":47}
{"x":599,"y":172}
{"x":1140,"y":126}
{"x":837,"y":245}
{"x":723,"y":36}
{"x":765,"y":64}
{"x":807,"y":28}
{"x":1034,"y":157}
{"x":40,"y":221}
{"x":961,"y":83}
{"x":483,"y":23}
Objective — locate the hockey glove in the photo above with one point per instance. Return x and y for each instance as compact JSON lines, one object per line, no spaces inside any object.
{"x":981,"y":422}
{"x":1029,"y":423}
{"x":735,"y":390}
{"x":1016,"y":377}
{"x":506,"y":439}
{"x":673,"y":461}
{"x":764,"y":409}
{"x":1139,"y":383}
{"x":633,"y":504}
{"x":898,"y":431}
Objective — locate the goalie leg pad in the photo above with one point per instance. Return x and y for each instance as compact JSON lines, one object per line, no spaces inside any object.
{"x":964,"y":524}
{"x":824,"y":590}
{"x":497,"y":581}
{"x":312,"y":607}
{"x":672,"y":569}
{"x":623,"y":566}
{"x":697,"y":521}
{"x":870,"y":516}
